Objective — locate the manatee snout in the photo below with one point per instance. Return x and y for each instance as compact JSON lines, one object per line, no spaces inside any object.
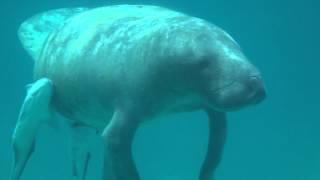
{"x":232,"y":81}
{"x":256,"y":85}
{"x":238,"y":85}
{"x":253,"y":85}
{"x":246,"y":89}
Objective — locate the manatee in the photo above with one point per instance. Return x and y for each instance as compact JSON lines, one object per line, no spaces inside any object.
{"x":107,"y":70}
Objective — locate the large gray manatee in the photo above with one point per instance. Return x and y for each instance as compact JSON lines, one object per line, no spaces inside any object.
{"x":109,"y":69}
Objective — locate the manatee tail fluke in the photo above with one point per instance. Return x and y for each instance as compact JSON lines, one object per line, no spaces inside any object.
{"x":34,"y":31}
{"x":34,"y":111}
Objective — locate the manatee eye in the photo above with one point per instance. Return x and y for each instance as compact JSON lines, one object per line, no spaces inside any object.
{"x":203,"y":62}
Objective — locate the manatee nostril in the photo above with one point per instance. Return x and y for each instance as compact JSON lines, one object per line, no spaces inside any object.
{"x":254,"y":82}
{"x":257,"y":87}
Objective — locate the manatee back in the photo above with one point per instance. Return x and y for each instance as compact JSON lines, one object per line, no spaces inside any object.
{"x":35,"y":30}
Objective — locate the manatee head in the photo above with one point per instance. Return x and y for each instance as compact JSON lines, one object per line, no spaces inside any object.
{"x":228,"y":80}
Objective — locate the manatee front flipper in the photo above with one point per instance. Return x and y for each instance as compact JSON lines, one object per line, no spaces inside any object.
{"x":34,"y":111}
{"x":118,"y":137}
{"x":81,"y":136}
{"x":217,"y":136}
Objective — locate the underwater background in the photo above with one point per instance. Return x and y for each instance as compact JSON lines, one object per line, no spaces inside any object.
{"x":276,"y":140}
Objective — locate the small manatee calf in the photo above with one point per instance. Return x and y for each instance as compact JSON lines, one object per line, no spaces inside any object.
{"x":108,"y":69}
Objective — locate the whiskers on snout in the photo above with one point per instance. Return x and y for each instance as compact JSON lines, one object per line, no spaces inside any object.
{"x":256,"y":86}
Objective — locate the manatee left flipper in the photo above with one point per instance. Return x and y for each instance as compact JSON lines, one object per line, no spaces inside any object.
{"x":35,"y":110}
{"x":118,"y":137}
{"x":217,"y":138}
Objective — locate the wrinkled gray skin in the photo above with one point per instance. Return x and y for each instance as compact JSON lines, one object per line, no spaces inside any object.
{"x":109,"y":73}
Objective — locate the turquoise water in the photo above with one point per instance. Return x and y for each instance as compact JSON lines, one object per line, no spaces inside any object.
{"x":276,"y":140}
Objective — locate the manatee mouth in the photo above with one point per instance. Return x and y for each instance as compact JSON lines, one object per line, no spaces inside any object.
{"x":229,"y":97}
{"x":236,"y":94}
{"x":226,"y":86}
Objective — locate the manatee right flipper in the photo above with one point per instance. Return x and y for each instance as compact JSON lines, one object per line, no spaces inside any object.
{"x":35,"y":111}
{"x":118,"y":137}
{"x":217,"y":137}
